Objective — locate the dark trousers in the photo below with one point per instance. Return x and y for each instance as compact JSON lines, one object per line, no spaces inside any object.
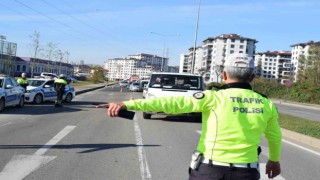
{"x":59,"y":97}
{"x":214,"y":172}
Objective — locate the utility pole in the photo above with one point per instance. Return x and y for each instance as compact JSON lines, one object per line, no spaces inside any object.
{"x":195,"y":40}
{"x":164,"y":46}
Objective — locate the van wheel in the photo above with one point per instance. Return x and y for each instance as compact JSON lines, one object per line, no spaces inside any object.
{"x":146,"y":116}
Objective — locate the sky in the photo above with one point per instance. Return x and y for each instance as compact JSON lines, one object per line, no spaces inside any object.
{"x":97,"y":30}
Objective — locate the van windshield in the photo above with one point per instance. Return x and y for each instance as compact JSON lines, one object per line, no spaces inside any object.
{"x":172,"y":81}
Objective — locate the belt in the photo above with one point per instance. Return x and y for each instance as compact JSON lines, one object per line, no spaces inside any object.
{"x":244,"y":165}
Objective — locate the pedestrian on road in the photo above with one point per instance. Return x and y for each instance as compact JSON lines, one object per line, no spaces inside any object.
{"x":23,"y":81}
{"x":59,"y":87}
{"x":233,"y":120}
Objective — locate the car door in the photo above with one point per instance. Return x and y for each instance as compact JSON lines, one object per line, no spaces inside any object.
{"x":11,"y":92}
{"x":48,"y":89}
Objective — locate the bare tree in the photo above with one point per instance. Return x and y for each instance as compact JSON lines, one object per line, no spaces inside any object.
{"x":35,"y":50}
{"x":60,"y":57}
{"x":50,"y":52}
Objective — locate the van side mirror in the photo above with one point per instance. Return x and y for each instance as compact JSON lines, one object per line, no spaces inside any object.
{"x":47,"y":86}
{"x":9,"y":86}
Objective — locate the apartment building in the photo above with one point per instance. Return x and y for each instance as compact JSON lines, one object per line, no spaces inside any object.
{"x":274,"y":65}
{"x":215,"y":50}
{"x":158,"y":63}
{"x":299,"y":50}
{"x":183,"y":66}
{"x":124,"y":68}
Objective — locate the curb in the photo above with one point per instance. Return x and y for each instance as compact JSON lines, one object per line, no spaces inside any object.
{"x":89,"y":89}
{"x":311,"y":141}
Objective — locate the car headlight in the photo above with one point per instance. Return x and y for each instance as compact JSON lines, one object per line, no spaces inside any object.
{"x":29,"y":91}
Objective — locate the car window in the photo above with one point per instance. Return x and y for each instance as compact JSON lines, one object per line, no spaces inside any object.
{"x":171,"y":81}
{"x":50,"y":83}
{"x":14,"y":82}
{"x":1,"y":83}
{"x":36,"y":82}
{"x":7,"y":81}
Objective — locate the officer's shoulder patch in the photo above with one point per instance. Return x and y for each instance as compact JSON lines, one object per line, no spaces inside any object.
{"x":198,"y":95}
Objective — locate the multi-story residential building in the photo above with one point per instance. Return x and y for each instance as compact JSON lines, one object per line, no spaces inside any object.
{"x":183,"y":66}
{"x":140,"y":65}
{"x":299,"y":50}
{"x":124,"y":68}
{"x":215,"y":50}
{"x":157,"y":62}
{"x":274,"y":65}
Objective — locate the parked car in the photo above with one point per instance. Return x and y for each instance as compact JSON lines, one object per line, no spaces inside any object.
{"x":135,"y":86}
{"x":172,"y":84}
{"x":40,"y":90}
{"x":11,"y":94}
{"x":49,"y":75}
{"x":124,"y":83}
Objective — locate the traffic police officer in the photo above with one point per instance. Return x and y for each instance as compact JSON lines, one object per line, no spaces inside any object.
{"x":23,"y":81}
{"x":59,"y":87}
{"x":233,"y":120}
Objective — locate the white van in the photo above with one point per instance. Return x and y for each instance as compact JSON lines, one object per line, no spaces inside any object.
{"x":172,"y":84}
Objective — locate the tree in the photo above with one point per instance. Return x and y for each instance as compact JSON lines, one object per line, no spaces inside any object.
{"x":35,"y":50}
{"x":98,"y":74}
{"x":309,"y":68}
{"x":50,"y":52}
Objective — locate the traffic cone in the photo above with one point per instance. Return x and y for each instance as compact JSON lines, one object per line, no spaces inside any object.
{"x":121,"y":90}
{"x":132,"y":98}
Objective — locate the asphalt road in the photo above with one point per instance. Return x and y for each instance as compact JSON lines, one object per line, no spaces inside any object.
{"x":299,"y":111}
{"x":79,"y":142}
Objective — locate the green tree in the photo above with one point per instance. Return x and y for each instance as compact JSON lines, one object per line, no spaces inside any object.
{"x":98,"y":74}
{"x":309,"y":69}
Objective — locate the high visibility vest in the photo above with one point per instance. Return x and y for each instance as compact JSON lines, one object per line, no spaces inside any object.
{"x":233,"y":120}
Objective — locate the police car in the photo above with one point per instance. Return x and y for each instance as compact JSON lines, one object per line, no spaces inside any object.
{"x":40,"y":90}
{"x":11,"y":94}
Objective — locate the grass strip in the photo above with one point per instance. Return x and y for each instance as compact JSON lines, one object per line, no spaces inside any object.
{"x":300,"y":125}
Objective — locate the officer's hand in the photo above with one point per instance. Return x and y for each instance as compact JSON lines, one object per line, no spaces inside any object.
{"x":114,"y":108}
{"x":273,"y":169}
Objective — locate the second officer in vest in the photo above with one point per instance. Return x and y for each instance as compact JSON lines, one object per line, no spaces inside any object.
{"x":59,"y":86}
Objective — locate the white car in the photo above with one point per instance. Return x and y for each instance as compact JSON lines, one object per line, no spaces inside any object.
{"x":172,"y":84}
{"x":40,"y":90}
{"x":11,"y":94}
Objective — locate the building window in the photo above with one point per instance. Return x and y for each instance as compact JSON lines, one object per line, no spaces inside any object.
{"x":240,"y":51}
{"x":232,"y":51}
{"x":241,"y":41}
{"x":232,"y":46}
{"x":18,"y":67}
{"x":241,"y":46}
{"x":232,"y":40}
{"x":24,"y":68}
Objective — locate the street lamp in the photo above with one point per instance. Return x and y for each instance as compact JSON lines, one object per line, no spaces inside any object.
{"x":195,"y":40}
{"x":164,"y":45}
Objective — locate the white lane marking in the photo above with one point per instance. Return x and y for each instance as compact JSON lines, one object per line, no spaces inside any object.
{"x":298,"y":146}
{"x":54,"y":140}
{"x":111,"y":94}
{"x":5,"y":124}
{"x":144,"y":168}
{"x":21,"y":166}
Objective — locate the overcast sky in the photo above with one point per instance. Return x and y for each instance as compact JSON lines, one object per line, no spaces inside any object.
{"x":97,"y":30}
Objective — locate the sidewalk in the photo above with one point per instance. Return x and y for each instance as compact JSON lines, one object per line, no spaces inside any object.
{"x":314,"y":142}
